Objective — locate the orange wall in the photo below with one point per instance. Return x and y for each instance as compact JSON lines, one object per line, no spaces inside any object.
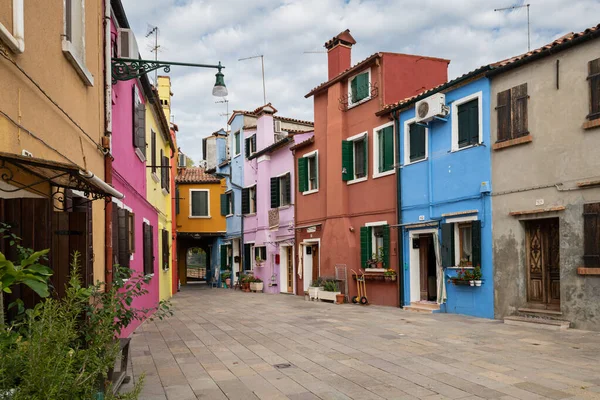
{"x":216,"y":222}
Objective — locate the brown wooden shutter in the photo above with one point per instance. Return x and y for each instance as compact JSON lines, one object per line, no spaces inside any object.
{"x":131,"y":233}
{"x":139,"y":122}
{"x":503,"y":109}
{"x":165,"y":249}
{"x":148,"y":249}
{"x":123,"y":232}
{"x":591,"y":235}
{"x":594,"y":78}
{"x":519,"y":110}
{"x":115,"y":234}
{"x":165,"y":162}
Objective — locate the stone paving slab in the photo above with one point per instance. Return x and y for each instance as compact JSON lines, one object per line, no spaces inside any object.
{"x":224,"y":344}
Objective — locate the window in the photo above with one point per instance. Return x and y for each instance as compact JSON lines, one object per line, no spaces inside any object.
{"x":249,"y":200}
{"x":148,"y":248}
{"x":591,"y":235}
{"x":226,"y":252}
{"x":73,"y":42}
{"x":594,"y":79}
{"x":467,"y":121}
{"x":153,"y":150}
{"x":14,"y":35}
{"x":512,"y":113}
{"x":308,"y":173}
{"x":383,"y":150}
{"x":165,"y":176}
{"x":182,"y":162}
{"x":139,"y":124}
{"x":375,"y":244}
{"x":123,"y":235}
{"x":199,"y":203}
{"x":359,"y":87}
{"x":354,"y":158}
{"x":461,"y":243}
{"x":236,"y":143}
{"x":131,"y":236}
{"x":415,"y":142}
{"x":250,"y":145}
{"x":166,"y":254}
{"x":227,"y":204}
{"x":248,"y":257}
{"x":281,"y":191}
{"x":260,"y":253}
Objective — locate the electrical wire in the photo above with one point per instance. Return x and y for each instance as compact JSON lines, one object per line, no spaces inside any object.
{"x":5,"y":55}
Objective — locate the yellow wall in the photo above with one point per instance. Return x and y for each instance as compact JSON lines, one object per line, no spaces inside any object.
{"x":164,"y":92}
{"x":43,"y":60}
{"x":216,"y":222}
{"x":160,"y":199}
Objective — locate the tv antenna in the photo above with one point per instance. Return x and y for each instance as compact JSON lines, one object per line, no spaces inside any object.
{"x":315,"y":52}
{"x":153,"y":30}
{"x":226,"y":115}
{"x":262,"y":63}
{"x":528,"y":25}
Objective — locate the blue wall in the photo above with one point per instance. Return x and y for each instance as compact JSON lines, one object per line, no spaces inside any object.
{"x":448,"y":182}
{"x":236,"y":172}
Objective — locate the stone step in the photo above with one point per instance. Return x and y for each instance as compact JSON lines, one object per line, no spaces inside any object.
{"x":539,"y":311}
{"x":424,"y":307}
{"x":538,"y":322}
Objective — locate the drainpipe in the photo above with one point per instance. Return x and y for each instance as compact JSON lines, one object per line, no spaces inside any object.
{"x":106,"y":144}
{"x":400,"y":242}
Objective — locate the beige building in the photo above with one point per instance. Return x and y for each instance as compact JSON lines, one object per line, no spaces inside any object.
{"x":52,"y":126}
{"x":545,"y":128}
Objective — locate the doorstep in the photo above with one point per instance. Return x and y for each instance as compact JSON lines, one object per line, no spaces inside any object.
{"x":538,"y":322}
{"x":423,"y":307}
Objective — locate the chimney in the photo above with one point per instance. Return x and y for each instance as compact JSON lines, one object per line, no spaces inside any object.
{"x":339,"y":51}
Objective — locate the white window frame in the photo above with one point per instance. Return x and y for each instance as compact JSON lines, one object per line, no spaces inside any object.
{"x":207,"y":201}
{"x":314,"y":154}
{"x":70,"y":49}
{"x":353,"y":139}
{"x":456,"y":221}
{"x":454,"y":118}
{"x":251,"y":150}
{"x":236,"y":152}
{"x":15,"y":39}
{"x":349,"y":84}
{"x":250,"y":189}
{"x":376,"y":173}
{"x":281,"y":193}
{"x":254,"y":255}
{"x":372,"y":225}
{"x":231,"y":203}
{"x":407,"y":124}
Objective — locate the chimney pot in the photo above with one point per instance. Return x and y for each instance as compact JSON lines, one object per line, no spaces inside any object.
{"x":339,"y":52}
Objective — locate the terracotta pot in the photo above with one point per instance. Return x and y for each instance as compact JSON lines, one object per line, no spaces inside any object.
{"x":228,"y":281}
{"x":339,"y":298}
{"x":379,"y":264}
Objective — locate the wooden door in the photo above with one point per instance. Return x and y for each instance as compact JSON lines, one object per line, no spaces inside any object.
{"x":290,"y":269}
{"x":70,"y":234}
{"x":543,"y":263}
{"x":315,"y":261}
{"x":423,"y":265}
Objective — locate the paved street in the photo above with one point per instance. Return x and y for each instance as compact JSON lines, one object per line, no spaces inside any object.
{"x":224,"y":344}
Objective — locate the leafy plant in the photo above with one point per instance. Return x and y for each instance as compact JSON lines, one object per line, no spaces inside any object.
{"x":477,"y":273}
{"x":330,"y":286}
{"x":257,"y":280}
{"x":226,"y":275}
{"x":317,"y":282}
{"x":389,"y":272}
{"x":259,"y":261}
{"x":464,"y":275}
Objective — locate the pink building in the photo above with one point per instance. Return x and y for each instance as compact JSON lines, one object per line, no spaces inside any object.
{"x":135,"y":221}
{"x":268,"y":195}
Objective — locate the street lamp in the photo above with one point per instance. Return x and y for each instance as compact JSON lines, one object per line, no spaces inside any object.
{"x":219,"y":90}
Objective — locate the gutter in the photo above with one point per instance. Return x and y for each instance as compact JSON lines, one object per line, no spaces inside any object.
{"x":107,"y":145}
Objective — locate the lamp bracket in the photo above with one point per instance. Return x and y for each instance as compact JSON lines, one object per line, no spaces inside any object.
{"x":124,"y":69}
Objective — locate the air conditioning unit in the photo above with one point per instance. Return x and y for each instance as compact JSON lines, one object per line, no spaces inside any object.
{"x":432,"y":106}
{"x":127,"y":47}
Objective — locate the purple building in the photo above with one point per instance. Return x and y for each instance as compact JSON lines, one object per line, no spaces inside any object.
{"x":268,"y":195}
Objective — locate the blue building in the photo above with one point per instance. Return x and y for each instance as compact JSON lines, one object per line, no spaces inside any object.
{"x":444,"y":199}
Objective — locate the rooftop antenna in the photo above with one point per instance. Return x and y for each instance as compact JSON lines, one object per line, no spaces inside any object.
{"x":153,"y":30}
{"x":528,"y":25}
{"x":226,"y":115}
{"x":315,"y":52}
{"x":262,"y":62}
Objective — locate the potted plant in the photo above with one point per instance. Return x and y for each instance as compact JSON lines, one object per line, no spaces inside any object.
{"x":226,"y":275}
{"x":380,"y":257}
{"x":330,"y":290}
{"x":256,"y":285}
{"x":245,"y":282}
{"x":259,"y":261}
{"x":477,"y":276}
{"x":314,"y":288}
{"x":340,"y":298}
{"x":389,"y":274}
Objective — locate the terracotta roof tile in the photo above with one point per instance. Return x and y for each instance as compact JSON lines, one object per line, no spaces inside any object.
{"x":344,"y":37}
{"x":304,"y":143}
{"x":195,"y":175}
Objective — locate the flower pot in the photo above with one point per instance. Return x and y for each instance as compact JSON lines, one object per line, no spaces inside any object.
{"x":477,"y":283}
{"x":313,"y":292}
{"x":256,"y":286}
{"x":329,"y":296}
{"x":339,"y":298}
{"x":472,"y":283}
{"x":379,"y":264}
{"x":228,"y":282}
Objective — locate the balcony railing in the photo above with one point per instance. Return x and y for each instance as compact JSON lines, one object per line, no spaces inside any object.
{"x":346,"y":101}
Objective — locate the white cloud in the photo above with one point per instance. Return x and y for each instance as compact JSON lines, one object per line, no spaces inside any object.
{"x":468,"y":32}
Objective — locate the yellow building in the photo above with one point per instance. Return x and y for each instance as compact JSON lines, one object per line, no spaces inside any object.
{"x":158,"y":183}
{"x":53,"y":132}
{"x":198,"y":213}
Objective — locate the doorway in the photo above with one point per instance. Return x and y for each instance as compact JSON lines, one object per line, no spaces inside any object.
{"x":310,"y":263}
{"x":543,"y":263}
{"x":427,"y":268}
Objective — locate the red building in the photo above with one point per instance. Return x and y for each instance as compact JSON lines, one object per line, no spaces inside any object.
{"x":346,"y":184}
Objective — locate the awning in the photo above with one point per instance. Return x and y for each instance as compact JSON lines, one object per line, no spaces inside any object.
{"x":57,"y":174}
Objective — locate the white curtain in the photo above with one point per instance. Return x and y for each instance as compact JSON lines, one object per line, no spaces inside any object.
{"x":441,"y":281}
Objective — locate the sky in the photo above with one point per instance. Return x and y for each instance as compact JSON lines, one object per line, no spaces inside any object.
{"x":290,"y":35}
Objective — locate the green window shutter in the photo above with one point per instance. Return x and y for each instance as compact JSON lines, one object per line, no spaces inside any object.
{"x":354,"y":90}
{"x":388,"y":149}
{"x":246,"y":201}
{"x":468,"y":123}
{"x":476,"y":243}
{"x":347,"y":160}
{"x":223,"y":256}
{"x":417,"y":142}
{"x":224,"y":205}
{"x":362,"y":83}
{"x":365,"y":245}
{"x":247,"y":147}
{"x":447,"y":245}
{"x":386,"y":246}
{"x":303,"y":174}
{"x":274,"y":192}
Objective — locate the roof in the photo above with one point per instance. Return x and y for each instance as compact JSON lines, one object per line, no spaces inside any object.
{"x":195,"y":175}
{"x":271,"y":148}
{"x":308,"y":141}
{"x":562,"y":43}
{"x":343,"y":37}
{"x":256,"y":113}
{"x":297,"y":131}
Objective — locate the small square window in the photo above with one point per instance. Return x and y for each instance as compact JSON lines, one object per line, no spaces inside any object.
{"x":199,"y":203}
{"x":417,"y":142}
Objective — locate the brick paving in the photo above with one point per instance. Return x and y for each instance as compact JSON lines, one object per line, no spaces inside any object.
{"x":224,"y":344}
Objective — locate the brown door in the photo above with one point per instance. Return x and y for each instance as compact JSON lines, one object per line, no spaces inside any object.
{"x":290,"y":269}
{"x":315,"y":261}
{"x":543,"y":263}
{"x":423,"y":265}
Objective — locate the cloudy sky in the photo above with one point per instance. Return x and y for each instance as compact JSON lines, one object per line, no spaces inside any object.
{"x":468,"y":32}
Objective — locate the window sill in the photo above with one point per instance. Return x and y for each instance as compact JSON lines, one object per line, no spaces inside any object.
{"x":82,"y":71}
{"x":17,"y":45}
{"x":199,"y":217}
{"x":512,"y":142}
{"x":455,"y":149}
{"x":359,"y":180}
{"x":155,"y":177}
{"x":140,"y":155}
{"x":415,"y":162}
{"x":165,"y":192}
{"x":285,"y":207}
{"x":310,"y":192}
{"x":250,"y":215}
{"x":229,"y":215}
{"x":459,"y":268}
{"x":358,"y":103}
{"x":386,"y":173}
{"x":588,"y":271}
{"x":595,"y":123}
{"x":149,"y":275}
